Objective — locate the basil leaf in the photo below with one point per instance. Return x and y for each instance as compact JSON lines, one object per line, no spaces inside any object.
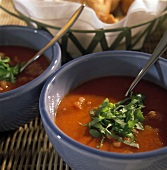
{"x":8,"y":72}
{"x":95,"y":133}
{"x":118,"y":120}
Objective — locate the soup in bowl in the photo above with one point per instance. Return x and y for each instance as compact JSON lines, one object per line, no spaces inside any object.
{"x":19,"y":93}
{"x":131,"y":135}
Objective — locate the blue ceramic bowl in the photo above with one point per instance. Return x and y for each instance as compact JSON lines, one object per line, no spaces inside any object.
{"x":20,"y":105}
{"x":82,"y":157}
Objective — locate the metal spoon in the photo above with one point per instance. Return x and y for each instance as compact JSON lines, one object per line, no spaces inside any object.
{"x":61,"y":32}
{"x":159,"y":50}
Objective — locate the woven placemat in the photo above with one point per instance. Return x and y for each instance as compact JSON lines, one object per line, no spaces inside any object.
{"x":29,"y":147}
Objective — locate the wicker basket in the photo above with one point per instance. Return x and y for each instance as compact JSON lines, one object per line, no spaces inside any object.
{"x":124,"y":39}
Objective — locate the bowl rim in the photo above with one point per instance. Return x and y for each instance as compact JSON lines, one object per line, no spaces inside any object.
{"x":42,"y":77}
{"x":57,"y":132}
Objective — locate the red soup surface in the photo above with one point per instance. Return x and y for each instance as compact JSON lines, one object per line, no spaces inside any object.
{"x":18,"y":55}
{"x":75,"y":109}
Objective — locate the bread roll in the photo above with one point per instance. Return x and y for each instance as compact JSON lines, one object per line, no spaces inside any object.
{"x":101,"y":7}
{"x":115,"y":5}
{"x":125,"y":4}
{"x":106,"y":9}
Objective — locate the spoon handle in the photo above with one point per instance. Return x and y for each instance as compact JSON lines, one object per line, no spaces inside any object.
{"x":159,"y":50}
{"x":61,"y":32}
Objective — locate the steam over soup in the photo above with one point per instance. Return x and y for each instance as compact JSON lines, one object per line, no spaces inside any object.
{"x":19,"y":55}
{"x":74,"y":115}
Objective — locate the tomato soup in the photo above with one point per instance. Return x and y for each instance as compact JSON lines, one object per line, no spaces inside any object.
{"x":75,"y":109}
{"x":19,"y":54}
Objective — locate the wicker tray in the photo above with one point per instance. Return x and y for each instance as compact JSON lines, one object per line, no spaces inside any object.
{"x":29,"y":148}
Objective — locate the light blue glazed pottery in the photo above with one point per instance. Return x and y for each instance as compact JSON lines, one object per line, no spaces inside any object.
{"x":20,"y":105}
{"x":79,"y":156}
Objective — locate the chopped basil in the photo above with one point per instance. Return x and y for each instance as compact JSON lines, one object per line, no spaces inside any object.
{"x":118,"y":120}
{"x":8,"y":72}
